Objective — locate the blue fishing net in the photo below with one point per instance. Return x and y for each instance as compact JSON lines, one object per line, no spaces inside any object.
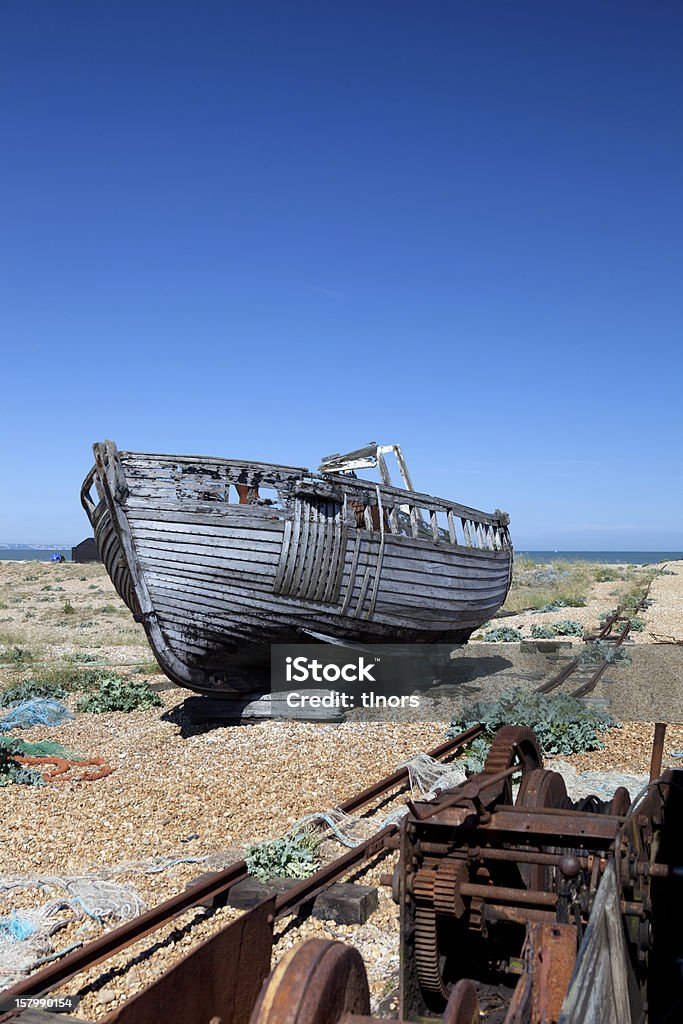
{"x":37,"y":711}
{"x":16,"y":927}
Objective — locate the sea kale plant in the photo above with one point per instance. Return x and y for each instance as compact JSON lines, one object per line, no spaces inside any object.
{"x":568,"y":627}
{"x":599,"y":651}
{"x":542,"y":632}
{"x":563,"y":724}
{"x":293,"y":856}
{"x":502,"y":635}
{"x":114,"y":693}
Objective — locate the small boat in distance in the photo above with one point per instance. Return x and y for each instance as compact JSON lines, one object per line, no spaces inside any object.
{"x":220,"y":558}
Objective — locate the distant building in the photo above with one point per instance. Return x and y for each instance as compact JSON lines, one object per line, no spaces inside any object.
{"x":86,"y":551}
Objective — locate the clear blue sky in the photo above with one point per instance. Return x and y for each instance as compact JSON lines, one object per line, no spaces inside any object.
{"x":278,"y":230}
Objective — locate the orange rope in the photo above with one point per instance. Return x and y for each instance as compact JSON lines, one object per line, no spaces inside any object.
{"x":63,"y":766}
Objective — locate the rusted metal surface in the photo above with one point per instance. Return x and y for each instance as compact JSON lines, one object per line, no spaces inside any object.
{"x":657,"y":751}
{"x":477,"y":875}
{"x":219,"y":981}
{"x":318,"y":982}
{"x":550,"y":954}
{"x":614,"y":632}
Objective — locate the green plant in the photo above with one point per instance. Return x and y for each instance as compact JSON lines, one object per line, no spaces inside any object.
{"x":11,"y":772}
{"x":293,"y":856}
{"x":599,"y":651}
{"x":68,"y":608}
{"x":29,"y":689}
{"x":116,"y":694}
{"x":606,"y":574}
{"x":148,"y":668}
{"x":571,"y":601}
{"x":563,"y":724}
{"x":523,"y":563}
{"x":542,"y":632}
{"x":637,"y":625}
{"x":504,"y":634}
{"x":568,"y":627}
{"x":16,"y":656}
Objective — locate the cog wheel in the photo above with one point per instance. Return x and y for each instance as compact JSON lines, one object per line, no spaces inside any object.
{"x":513,"y":744}
{"x":450,"y":875}
{"x":540,"y":788}
{"x":428,"y":962}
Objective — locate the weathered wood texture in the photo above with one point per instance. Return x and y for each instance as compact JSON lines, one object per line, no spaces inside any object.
{"x":220,"y":558}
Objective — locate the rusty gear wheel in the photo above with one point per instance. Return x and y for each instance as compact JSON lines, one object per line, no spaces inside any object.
{"x":463,"y":1004}
{"x":450,"y":875}
{"x":428,"y":962}
{"x":315,"y":983}
{"x":513,"y":744}
{"x":540,"y":788}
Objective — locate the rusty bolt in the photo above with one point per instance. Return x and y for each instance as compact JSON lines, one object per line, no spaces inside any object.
{"x":569,"y":865}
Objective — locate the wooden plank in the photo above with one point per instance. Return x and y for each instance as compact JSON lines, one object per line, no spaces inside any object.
{"x":286,"y":586}
{"x":358,"y":610}
{"x":240,"y":560}
{"x":598,"y":991}
{"x":222,"y":532}
{"x":284,"y":556}
{"x":350,"y":586}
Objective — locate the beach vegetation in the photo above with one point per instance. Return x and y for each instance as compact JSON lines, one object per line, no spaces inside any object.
{"x":116,"y":694}
{"x":541,"y":632}
{"x":562,"y":724}
{"x":502,"y":635}
{"x":292,"y":856}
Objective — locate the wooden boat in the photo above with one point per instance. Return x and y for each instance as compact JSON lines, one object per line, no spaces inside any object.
{"x":220,"y":558}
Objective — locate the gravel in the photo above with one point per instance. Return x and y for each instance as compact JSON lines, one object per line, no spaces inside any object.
{"x":184,"y":791}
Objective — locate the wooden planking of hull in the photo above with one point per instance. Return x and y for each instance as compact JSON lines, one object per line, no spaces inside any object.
{"x":221,"y":558}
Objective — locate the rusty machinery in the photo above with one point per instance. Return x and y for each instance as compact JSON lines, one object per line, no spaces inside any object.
{"x":509,"y":892}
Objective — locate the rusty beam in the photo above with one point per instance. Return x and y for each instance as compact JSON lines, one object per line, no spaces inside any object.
{"x":219,"y":980}
{"x":657,"y":751}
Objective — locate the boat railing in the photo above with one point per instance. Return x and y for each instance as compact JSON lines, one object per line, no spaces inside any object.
{"x":375,"y":507}
{"x":410,"y":513}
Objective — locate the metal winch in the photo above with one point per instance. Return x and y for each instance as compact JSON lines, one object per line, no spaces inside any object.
{"x":518,"y":906}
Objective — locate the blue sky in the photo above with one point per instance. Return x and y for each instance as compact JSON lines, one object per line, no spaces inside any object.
{"x":278,"y":230}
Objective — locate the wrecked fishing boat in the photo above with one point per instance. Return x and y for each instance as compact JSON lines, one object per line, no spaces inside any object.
{"x":220,"y":558}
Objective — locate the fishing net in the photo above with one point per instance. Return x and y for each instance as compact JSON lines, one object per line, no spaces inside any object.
{"x":37,"y":711}
{"x":25,"y":935}
{"x":43,"y":748}
{"x":426,"y":777}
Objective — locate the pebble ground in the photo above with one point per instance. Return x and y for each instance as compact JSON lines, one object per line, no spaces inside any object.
{"x":193,"y":792}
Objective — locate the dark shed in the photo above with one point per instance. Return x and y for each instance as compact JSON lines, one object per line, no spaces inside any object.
{"x":86,"y":551}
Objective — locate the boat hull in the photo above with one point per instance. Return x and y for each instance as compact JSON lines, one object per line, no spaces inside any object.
{"x":217,"y":573}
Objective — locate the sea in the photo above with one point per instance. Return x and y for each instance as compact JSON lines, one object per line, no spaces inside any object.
{"x":541,"y":557}
{"x":33,"y":554}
